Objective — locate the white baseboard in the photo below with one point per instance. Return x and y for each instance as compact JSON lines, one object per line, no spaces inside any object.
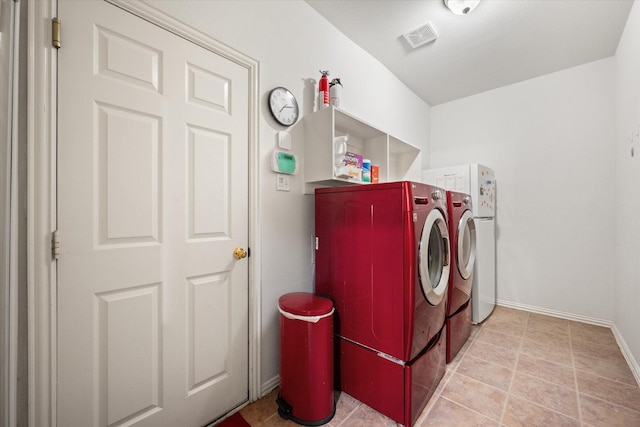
{"x":622,"y":344}
{"x":268,"y":386}
{"x":555,"y":313}
{"x":626,"y":352}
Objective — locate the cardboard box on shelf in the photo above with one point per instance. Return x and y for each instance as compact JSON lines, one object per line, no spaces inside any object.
{"x":374,"y":174}
{"x":350,"y":167}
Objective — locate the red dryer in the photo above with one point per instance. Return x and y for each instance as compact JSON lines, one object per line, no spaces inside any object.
{"x":462,"y":230}
{"x":382,"y":256}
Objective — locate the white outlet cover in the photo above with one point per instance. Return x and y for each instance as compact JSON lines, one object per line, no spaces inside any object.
{"x":282,"y":182}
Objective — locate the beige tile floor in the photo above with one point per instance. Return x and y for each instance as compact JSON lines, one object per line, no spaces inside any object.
{"x":517,"y":369}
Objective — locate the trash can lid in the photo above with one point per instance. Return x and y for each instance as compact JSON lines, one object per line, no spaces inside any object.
{"x":305,"y":304}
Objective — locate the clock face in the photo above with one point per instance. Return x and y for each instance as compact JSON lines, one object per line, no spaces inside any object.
{"x":283,"y":106}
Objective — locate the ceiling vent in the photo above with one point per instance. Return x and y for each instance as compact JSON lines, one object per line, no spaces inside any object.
{"x":423,"y":35}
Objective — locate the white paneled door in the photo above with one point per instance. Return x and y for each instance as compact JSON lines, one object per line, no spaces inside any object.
{"x":152,"y":201}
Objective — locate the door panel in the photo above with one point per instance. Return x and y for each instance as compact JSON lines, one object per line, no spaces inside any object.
{"x":152,"y":200}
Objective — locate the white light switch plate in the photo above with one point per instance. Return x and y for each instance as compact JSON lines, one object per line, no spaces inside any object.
{"x":282,"y":182}
{"x":284,"y":140}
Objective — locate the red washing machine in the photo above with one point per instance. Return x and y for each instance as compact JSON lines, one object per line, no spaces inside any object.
{"x":382,"y":256}
{"x":462,"y":230}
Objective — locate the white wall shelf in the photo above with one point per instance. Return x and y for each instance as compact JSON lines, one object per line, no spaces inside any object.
{"x":396,"y":159}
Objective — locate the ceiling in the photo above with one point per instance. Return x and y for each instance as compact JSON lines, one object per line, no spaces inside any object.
{"x":499,"y":43}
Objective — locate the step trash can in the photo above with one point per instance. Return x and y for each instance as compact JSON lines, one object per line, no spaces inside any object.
{"x":306,"y":359}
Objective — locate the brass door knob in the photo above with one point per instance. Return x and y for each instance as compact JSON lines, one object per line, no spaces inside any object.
{"x":239,"y":253}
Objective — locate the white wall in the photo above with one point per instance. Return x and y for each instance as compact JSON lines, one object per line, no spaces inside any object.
{"x":627,"y":291}
{"x":550,"y":141}
{"x":292,"y":42}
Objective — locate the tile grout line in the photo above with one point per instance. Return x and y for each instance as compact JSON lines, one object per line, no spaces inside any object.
{"x":467,"y":407}
{"x":575,"y":375}
{"x":499,"y":421}
{"x":544,"y":406}
{"x":573,"y":371}
{"x":435,"y":397}
{"x":513,"y":375}
{"x":352,"y":411}
{"x":481,"y":326}
{"x":462,"y":405}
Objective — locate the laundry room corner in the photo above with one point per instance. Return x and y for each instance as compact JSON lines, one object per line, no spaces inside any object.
{"x":627,"y":289}
{"x":549,"y":141}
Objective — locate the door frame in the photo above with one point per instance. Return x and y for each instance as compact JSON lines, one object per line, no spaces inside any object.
{"x":42,"y":196}
{"x":10,"y":229}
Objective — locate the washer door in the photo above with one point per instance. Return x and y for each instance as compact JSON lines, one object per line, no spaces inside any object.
{"x":433,"y":258}
{"x":466,"y":255}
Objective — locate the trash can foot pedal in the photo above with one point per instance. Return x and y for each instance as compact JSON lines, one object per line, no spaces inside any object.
{"x":284,"y":409}
{"x":286,"y":412}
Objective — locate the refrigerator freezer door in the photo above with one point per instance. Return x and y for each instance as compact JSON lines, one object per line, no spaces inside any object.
{"x":483,"y":293}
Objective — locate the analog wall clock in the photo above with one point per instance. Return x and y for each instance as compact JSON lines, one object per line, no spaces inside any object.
{"x":283,"y":106}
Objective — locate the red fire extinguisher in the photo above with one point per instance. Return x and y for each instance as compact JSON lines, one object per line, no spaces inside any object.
{"x":323,"y":90}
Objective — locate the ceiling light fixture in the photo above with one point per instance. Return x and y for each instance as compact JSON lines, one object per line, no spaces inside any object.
{"x":461,"y":7}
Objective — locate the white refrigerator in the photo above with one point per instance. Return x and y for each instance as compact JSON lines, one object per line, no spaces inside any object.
{"x":479,"y":182}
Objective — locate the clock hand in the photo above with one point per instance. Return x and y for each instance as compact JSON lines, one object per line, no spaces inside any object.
{"x":285,"y":106}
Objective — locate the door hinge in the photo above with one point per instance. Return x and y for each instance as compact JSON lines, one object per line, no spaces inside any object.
{"x":55,"y":245}
{"x":56,"y":41}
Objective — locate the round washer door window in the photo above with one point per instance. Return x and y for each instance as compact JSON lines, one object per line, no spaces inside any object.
{"x":434,"y":258}
{"x":466,"y":256}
